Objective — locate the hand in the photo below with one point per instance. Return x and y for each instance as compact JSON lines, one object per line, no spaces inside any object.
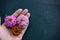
{"x":5,"y":32}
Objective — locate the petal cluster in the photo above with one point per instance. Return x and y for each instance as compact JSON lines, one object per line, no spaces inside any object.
{"x":10,"y":21}
{"x":16,"y":30}
{"x":22,"y":20}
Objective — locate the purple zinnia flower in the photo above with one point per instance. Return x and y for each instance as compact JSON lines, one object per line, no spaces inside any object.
{"x":22,"y":20}
{"x":10,"y":21}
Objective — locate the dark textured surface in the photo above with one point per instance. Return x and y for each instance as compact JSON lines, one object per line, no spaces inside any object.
{"x":44,"y":20}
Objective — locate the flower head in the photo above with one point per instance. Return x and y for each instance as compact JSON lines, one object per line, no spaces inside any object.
{"x":22,"y":20}
{"x":10,"y":21}
{"x":16,"y":30}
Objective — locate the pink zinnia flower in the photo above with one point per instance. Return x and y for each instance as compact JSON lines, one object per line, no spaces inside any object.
{"x":22,"y":21}
{"x":10,"y":21}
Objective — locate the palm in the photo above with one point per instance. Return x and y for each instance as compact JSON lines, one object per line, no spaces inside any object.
{"x":7,"y":35}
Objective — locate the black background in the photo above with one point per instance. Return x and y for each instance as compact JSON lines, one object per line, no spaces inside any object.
{"x":44,"y":20}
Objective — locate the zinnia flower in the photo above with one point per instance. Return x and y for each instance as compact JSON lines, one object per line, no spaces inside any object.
{"x":16,"y":30}
{"x":10,"y":21}
{"x":22,"y":20}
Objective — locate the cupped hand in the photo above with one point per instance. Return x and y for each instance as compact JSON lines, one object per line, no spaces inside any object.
{"x":5,"y":33}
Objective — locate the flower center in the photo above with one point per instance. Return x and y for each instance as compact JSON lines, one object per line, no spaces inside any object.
{"x":21,"y":19}
{"x":16,"y":30}
{"x":10,"y":20}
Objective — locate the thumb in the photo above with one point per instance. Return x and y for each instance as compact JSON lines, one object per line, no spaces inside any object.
{"x":4,"y":35}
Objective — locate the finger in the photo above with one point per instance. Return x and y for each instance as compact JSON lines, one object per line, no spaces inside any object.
{"x":21,"y":35}
{"x":24,"y":30}
{"x":28,"y":15}
{"x":17,"y":12}
{"x":25,"y":11}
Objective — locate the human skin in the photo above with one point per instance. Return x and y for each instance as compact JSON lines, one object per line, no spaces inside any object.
{"x":5,"y":33}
